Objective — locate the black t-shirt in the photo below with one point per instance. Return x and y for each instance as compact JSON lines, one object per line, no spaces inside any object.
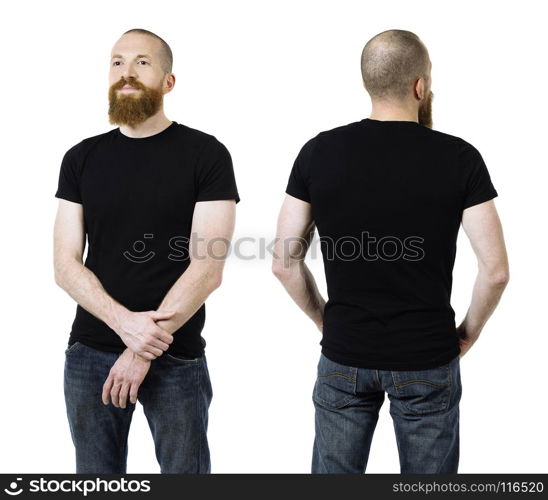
{"x":138,"y":197}
{"x":387,"y":198}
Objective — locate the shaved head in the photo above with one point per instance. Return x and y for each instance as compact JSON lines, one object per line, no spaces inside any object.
{"x":391,"y":63}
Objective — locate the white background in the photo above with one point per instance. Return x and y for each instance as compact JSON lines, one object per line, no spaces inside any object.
{"x":264,"y":77}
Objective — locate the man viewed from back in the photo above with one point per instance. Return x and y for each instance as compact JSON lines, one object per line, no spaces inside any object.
{"x":388,"y":195}
{"x":156,"y":200}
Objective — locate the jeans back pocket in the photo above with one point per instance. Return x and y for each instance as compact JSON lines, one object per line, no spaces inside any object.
{"x":424,"y":392}
{"x":335,"y":385}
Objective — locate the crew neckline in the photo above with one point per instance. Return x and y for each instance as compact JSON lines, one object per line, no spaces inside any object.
{"x":124,"y":137}
{"x":373,"y":121}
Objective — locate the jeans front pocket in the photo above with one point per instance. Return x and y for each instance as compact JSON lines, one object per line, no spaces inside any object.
{"x":72,"y":347}
{"x":424,"y":392}
{"x":181,"y":359}
{"x":335,"y":385}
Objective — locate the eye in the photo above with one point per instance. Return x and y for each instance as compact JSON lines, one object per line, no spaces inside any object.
{"x":142,"y":60}
{"x":115,"y":63}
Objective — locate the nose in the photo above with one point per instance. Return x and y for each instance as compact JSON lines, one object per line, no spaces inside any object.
{"x":129,"y":71}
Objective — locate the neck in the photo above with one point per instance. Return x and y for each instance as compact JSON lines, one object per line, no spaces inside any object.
{"x":389,"y":111}
{"x":151,"y":126}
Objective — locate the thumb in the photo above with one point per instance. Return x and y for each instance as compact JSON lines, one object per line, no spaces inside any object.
{"x":156,"y":315}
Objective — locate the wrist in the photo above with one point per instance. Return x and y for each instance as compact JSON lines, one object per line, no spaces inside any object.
{"x":467,"y":331}
{"x":135,"y":357}
{"x":117,"y":318}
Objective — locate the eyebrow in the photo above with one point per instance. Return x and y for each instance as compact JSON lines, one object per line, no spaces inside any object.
{"x":137,"y":57}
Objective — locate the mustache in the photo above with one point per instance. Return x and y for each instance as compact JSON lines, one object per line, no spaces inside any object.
{"x":130,"y":81}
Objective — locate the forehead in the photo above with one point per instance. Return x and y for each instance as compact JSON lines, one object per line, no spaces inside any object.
{"x":134,"y":44}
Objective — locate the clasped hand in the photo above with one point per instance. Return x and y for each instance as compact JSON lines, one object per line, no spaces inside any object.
{"x":139,"y":331}
{"x":145,"y":341}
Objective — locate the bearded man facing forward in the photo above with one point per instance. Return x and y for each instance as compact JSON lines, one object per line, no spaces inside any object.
{"x":150,"y":195}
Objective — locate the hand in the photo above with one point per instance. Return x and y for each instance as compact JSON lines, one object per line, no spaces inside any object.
{"x":466,"y":340}
{"x":139,"y":332}
{"x":126,"y":375}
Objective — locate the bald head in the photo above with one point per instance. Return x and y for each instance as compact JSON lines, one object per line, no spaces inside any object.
{"x":391,"y":63}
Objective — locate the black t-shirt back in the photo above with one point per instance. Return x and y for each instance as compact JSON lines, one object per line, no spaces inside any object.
{"x":387,"y":198}
{"x":138,"y":197}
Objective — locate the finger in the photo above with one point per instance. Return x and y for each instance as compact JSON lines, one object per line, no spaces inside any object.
{"x":158,"y":352}
{"x":162,"y":335}
{"x":151,"y":352}
{"x":143,"y":352}
{"x":123,"y":394}
{"x":114,"y":393}
{"x":159,"y":344}
{"x":133,"y":392}
{"x":106,"y":390}
{"x":141,"y":355}
{"x":158,"y":315}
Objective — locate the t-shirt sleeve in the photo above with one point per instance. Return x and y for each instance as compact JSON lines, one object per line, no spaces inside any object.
{"x":477,"y":185}
{"x":298,"y":183}
{"x":215,"y":174}
{"x":68,"y":186}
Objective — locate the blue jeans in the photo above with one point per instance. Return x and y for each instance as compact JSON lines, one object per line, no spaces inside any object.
{"x":175,"y":394}
{"x":424,"y":405}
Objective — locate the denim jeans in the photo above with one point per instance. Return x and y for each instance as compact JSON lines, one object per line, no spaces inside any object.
{"x":424,"y":406}
{"x":175,"y":394}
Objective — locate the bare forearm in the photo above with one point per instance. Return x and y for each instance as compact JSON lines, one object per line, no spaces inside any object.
{"x":301,"y":286}
{"x":486,"y":295}
{"x":86,"y":289}
{"x":188,"y":294}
